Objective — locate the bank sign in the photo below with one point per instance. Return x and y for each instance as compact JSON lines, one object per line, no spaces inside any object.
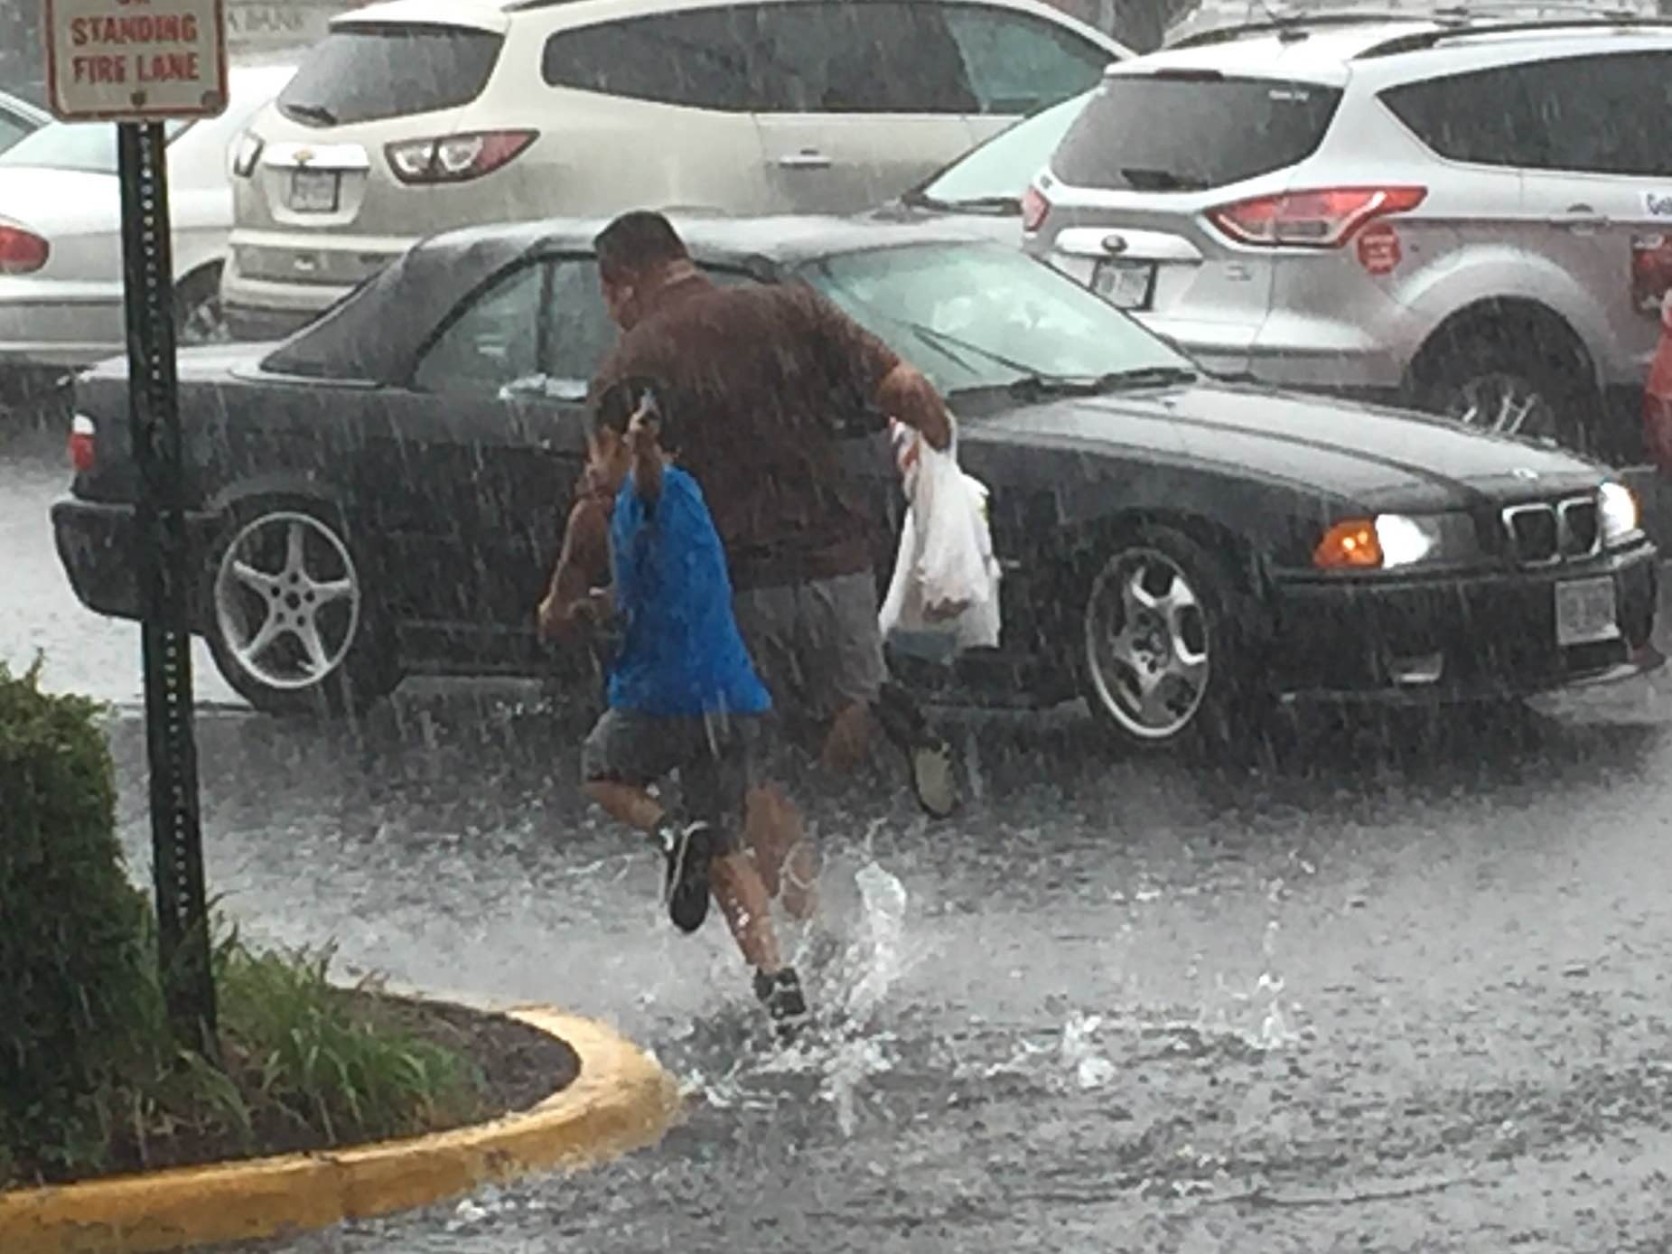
{"x":135,"y":60}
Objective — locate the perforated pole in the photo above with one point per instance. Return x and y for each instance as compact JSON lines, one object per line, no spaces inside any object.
{"x":165,"y":584}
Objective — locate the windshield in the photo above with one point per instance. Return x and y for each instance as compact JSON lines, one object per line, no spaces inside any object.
{"x":1177,"y":132}
{"x":1003,"y":166}
{"x":89,"y":146}
{"x":978,"y":316}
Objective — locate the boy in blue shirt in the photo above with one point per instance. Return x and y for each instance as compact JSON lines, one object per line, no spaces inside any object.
{"x":683,"y":693}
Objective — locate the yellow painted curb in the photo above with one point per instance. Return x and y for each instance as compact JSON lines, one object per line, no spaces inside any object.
{"x":621,"y":1100}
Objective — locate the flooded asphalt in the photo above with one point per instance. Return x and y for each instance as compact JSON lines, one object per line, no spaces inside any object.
{"x":1391,"y":993}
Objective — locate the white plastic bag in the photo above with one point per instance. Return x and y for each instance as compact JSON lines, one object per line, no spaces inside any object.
{"x":945,"y":576}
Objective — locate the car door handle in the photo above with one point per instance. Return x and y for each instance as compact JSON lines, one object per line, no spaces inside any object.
{"x":806,"y":159}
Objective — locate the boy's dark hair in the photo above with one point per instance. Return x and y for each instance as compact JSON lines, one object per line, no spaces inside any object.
{"x":618,"y":404}
{"x":636,"y":241}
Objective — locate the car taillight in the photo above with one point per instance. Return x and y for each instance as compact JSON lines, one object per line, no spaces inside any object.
{"x":21,"y":250}
{"x":245,"y":153}
{"x":1035,"y":209}
{"x":83,"y":443}
{"x":1651,"y":272}
{"x":455,"y":158}
{"x":1325,"y":218}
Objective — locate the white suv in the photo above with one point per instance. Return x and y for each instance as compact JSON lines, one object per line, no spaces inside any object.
{"x":1472,"y":217}
{"x":419,"y":115}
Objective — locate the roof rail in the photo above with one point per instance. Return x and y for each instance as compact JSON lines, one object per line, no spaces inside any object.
{"x":1449,"y":18}
{"x":1419,"y":40}
{"x":1297,"y":21}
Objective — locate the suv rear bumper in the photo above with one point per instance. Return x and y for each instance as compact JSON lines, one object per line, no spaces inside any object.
{"x":261,"y":309}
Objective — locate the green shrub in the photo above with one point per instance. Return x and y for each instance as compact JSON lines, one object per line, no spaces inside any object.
{"x":73,"y":973}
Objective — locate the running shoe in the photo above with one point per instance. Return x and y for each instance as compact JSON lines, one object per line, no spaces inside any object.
{"x":785,"y":1004}
{"x":929,"y":761}
{"x":688,"y":852}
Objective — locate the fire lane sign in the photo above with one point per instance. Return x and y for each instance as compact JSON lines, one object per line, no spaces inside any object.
{"x":135,"y":60}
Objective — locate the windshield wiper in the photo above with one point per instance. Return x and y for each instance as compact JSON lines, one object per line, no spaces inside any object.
{"x":310,"y":113}
{"x":951,"y":345}
{"x":1036,"y":385}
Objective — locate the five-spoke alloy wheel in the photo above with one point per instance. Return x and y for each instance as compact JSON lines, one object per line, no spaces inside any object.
{"x":1158,"y":663}
{"x":290,"y":617}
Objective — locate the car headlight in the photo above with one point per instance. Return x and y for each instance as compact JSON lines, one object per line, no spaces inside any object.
{"x":1617,"y":514}
{"x":1392,"y":541}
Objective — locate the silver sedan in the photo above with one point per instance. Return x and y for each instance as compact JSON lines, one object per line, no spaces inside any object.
{"x":60,"y":230}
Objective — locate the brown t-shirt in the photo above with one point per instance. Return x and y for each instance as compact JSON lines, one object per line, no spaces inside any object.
{"x":759,"y":383}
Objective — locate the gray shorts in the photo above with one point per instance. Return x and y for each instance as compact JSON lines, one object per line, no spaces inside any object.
{"x":816,"y":647}
{"x":714,"y":756}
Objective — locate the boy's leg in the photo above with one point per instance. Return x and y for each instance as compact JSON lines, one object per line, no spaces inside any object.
{"x":624,"y":753}
{"x":718,"y":780}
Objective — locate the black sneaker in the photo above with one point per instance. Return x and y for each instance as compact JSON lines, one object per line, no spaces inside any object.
{"x":781,"y":994}
{"x":929,"y":761}
{"x":689,"y":851}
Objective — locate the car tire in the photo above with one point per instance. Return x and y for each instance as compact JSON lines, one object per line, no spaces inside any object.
{"x":198,"y":318}
{"x":292,"y":621}
{"x":1505,"y":376}
{"x":1163,"y":659}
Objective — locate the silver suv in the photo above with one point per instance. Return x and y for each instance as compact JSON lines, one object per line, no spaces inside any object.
{"x":1471,"y":217}
{"x":418,"y":115}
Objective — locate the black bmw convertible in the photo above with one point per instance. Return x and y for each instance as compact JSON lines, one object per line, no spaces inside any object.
{"x":382,"y":494}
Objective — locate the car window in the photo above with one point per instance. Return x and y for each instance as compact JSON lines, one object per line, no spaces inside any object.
{"x":578,"y":332}
{"x":89,"y":146}
{"x":877,"y":57}
{"x":362,"y":73}
{"x":973,"y":316}
{"x":11,"y":130}
{"x":1176,"y":132}
{"x":493,"y":341}
{"x":701,"y":59}
{"x":1597,"y":114}
{"x":1002,"y":167}
{"x":1017,"y":63}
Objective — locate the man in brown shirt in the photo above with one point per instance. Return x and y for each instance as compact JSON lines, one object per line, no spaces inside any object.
{"x":765,"y":379}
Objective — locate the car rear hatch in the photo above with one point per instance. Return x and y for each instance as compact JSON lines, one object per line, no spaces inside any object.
{"x":319,"y":200}
{"x":1130,"y":189}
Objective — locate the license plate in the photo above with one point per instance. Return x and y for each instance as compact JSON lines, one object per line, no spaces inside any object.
{"x":314,"y":191}
{"x":1586,"y":611}
{"x":1125,"y":284}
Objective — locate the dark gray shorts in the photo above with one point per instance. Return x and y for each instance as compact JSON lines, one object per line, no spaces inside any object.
{"x":715,"y":758}
{"x":816,"y":647}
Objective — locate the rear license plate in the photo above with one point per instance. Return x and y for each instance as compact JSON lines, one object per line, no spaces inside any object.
{"x":1586,"y":612}
{"x":314,"y":191}
{"x":1125,"y":284}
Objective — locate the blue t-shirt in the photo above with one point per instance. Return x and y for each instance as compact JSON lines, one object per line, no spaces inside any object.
{"x":682,"y":653}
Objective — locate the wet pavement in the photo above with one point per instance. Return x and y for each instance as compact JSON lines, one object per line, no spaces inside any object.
{"x":1390,"y":993}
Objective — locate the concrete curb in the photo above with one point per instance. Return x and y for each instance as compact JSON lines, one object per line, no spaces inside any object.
{"x":621,"y":1100}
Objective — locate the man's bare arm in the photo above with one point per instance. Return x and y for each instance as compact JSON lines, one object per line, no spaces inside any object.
{"x":907,"y":395}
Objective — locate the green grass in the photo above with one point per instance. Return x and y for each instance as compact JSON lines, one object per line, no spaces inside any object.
{"x":305,"y":1064}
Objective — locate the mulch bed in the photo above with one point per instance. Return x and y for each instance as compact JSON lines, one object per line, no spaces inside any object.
{"x":519,"y":1065}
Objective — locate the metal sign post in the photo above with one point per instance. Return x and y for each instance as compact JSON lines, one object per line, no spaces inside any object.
{"x":136,"y":62}
{"x":166,"y":578}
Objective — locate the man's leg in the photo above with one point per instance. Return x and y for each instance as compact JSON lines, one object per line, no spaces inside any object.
{"x":858,"y":694}
{"x":774,"y":832}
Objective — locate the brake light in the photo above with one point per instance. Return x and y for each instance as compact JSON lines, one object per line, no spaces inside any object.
{"x":83,"y":444}
{"x":1035,"y":209}
{"x":1351,"y":543}
{"x":21,"y":250}
{"x":1326,"y":218}
{"x":455,"y":158}
{"x":245,"y":153}
{"x":1651,"y":272}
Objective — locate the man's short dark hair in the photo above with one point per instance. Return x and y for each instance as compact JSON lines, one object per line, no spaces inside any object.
{"x":637,"y":241}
